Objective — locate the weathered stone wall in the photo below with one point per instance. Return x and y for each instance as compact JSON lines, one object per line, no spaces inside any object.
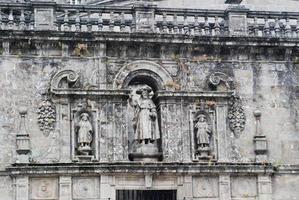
{"x":70,"y":78}
{"x":265,"y":80}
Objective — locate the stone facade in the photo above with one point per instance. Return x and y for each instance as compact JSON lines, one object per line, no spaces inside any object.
{"x":99,"y":101}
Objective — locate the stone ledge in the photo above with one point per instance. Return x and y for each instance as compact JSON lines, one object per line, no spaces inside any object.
{"x":140,"y":167}
{"x":106,"y":36}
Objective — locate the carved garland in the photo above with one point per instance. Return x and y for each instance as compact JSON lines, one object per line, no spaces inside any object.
{"x":46,"y":116}
{"x":236,"y":115}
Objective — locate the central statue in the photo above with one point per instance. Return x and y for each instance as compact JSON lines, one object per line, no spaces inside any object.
{"x":145,"y":121}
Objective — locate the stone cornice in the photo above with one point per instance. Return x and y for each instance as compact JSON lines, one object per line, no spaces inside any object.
{"x":137,"y":167}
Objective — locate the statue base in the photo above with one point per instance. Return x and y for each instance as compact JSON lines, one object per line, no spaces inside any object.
{"x":146,"y":152}
{"x":85,"y":150}
{"x":203,"y":153}
{"x":84,"y":158}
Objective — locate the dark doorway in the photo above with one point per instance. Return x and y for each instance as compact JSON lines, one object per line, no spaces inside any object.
{"x":146,"y":195}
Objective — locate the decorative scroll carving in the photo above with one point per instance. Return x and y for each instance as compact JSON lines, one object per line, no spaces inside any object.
{"x":218,"y":78}
{"x":236,"y":115}
{"x":64,"y":79}
{"x":46,"y":116}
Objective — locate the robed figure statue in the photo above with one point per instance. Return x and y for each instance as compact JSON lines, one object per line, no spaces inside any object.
{"x":145,"y":121}
{"x":203,"y":131}
{"x":84,"y":131}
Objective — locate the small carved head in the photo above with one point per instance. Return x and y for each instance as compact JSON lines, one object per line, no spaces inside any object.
{"x":201,"y":118}
{"x":84,"y":116}
{"x":144,"y":92}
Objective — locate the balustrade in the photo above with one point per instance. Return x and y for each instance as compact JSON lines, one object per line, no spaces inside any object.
{"x":189,"y":22}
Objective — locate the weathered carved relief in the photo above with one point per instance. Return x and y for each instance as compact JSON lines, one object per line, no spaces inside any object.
{"x":236,"y":115}
{"x":205,"y":187}
{"x":220,"y":81}
{"x":44,"y":188}
{"x":46,"y":116}
{"x":86,"y":188}
{"x":63,"y":80}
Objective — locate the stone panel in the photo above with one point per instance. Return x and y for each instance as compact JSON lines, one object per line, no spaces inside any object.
{"x":130,"y":181}
{"x":244,"y":187}
{"x":164,"y":181}
{"x":285,"y":187}
{"x":205,"y":187}
{"x":5,"y":188}
{"x":86,"y":188}
{"x":44,"y":188}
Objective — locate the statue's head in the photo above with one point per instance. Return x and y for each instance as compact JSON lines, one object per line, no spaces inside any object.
{"x":144,"y":91}
{"x":201,"y":118}
{"x":84,"y":116}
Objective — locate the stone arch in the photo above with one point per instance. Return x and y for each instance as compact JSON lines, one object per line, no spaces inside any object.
{"x":149,"y":72}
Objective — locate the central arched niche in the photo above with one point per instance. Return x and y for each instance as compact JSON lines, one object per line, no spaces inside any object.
{"x":144,"y":79}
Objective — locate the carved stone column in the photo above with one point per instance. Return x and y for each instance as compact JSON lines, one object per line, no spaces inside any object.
{"x":22,"y":188}
{"x":260,"y":140}
{"x":188,"y":194}
{"x":65,"y":188}
{"x":107,"y":189}
{"x":224,"y":187}
{"x":223,"y":137}
{"x":264,"y":187}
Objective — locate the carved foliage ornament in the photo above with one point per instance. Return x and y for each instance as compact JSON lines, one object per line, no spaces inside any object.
{"x":46,"y":116}
{"x":236,"y":115}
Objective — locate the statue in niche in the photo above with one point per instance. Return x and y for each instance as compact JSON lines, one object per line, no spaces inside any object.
{"x":84,"y":131}
{"x":145,"y":121}
{"x":203,"y":134}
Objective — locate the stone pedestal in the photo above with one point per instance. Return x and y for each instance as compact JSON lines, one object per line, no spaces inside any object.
{"x":203,"y":153}
{"x":260,"y":148}
{"x":22,"y":140}
{"x":260,"y":140}
{"x":237,"y":20}
{"x":146,"y":152}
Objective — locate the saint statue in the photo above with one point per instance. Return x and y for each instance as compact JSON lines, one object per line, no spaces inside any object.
{"x":145,"y":121}
{"x":203,"y":131}
{"x":84,"y":128}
